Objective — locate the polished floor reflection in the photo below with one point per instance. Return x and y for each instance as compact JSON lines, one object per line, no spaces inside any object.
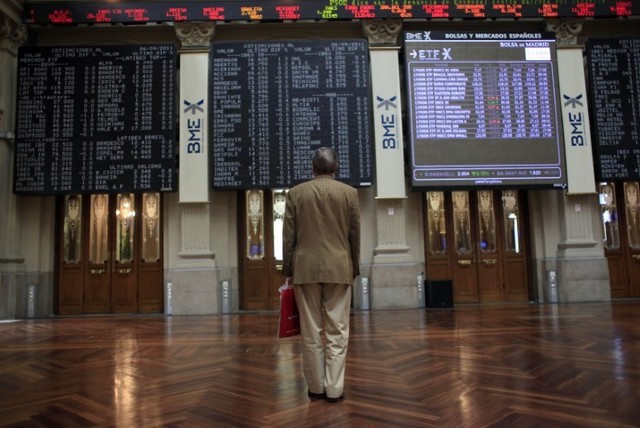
{"x":572,"y":365}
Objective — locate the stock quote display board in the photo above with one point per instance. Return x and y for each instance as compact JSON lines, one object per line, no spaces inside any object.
{"x":483,"y":109}
{"x":614,"y":76}
{"x":66,"y":12}
{"x":273,"y":103}
{"x":95,"y":119}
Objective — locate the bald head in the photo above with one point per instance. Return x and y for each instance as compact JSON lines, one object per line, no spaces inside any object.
{"x":324,"y":161}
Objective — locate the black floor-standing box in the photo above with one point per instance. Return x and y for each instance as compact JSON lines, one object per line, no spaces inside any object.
{"x":439,"y":294}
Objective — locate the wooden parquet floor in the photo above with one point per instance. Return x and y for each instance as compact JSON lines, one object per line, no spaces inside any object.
{"x":563,"y":366}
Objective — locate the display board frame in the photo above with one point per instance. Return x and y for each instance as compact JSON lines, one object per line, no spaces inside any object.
{"x":613,"y":65}
{"x":471,"y":97}
{"x":95,"y":119}
{"x":272,"y":103}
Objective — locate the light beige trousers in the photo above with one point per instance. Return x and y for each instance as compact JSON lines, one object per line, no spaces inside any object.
{"x":324,"y":308}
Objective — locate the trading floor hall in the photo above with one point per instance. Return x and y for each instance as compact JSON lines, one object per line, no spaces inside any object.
{"x":565,"y":365}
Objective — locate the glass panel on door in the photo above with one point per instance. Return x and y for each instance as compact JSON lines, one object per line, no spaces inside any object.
{"x":436,"y":218}
{"x":511,"y":221}
{"x":633,"y":213}
{"x":609,"y":216}
{"x":98,"y":235}
{"x":72,"y":234}
{"x":255,"y":224}
{"x":150,"y":227}
{"x":487,"y":222}
{"x":462,"y":222}
{"x":125,"y":215}
{"x":279,"y":204}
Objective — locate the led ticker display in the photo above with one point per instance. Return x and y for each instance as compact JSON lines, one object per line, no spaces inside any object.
{"x":483,"y":109}
{"x":278,"y":10}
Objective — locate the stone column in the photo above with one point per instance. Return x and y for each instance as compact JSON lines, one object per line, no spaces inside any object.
{"x":194,"y":206}
{"x":12,"y":267}
{"x":393,"y":275}
{"x":580,"y":264}
{"x":194,"y":282}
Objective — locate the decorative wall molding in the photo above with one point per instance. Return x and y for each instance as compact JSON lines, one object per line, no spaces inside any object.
{"x":566,"y":30}
{"x":195,"y":35}
{"x":380,"y":32}
{"x":391,"y":231}
{"x":12,"y":35}
{"x":195,"y":231}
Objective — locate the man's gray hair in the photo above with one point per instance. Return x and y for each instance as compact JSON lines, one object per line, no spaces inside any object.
{"x":325,"y":161}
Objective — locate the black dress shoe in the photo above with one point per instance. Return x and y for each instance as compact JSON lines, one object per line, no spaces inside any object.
{"x":334,"y":399}
{"x":317,"y":395}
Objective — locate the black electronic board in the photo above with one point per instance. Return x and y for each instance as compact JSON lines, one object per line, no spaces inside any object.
{"x":483,"y":109}
{"x":273,"y":103}
{"x":68,"y":12}
{"x":614,"y":81}
{"x":98,"y":119}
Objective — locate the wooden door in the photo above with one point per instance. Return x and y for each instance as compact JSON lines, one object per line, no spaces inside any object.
{"x":488,"y":249}
{"x":261,"y":248}
{"x":477,"y":240}
{"x":620,"y":219}
{"x":513,"y":222}
{"x":98,"y":239}
{"x":150,"y":283}
{"x":124,"y":254}
{"x":70,"y":255}
{"x":465,"y":278}
{"x":109,"y":258}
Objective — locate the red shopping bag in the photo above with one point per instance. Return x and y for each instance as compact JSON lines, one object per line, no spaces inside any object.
{"x":289,"y":324}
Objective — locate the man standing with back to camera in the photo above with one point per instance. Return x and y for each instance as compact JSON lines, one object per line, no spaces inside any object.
{"x":322,"y":259}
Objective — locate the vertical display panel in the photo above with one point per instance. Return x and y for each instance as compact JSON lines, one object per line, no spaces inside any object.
{"x":614,"y":78}
{"x":483,"y":110}
{"x":274,"y":103}
{"x":96,"y":119}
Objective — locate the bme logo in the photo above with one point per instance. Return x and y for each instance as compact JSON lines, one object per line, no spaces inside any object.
{"x":575,"y":120}
{"x":388,"y":122}
{"x":194,"y":127}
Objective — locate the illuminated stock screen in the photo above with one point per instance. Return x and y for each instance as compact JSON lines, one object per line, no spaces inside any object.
{"x":614,"y":77}
{"x":274,"y":102}
{"x":483,"y":109}
{"x":95,"y":119}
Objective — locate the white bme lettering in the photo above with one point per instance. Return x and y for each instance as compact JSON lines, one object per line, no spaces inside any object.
{"x":577,"y":137}
{"x":194,"y":144}
{"x":389,"y":136}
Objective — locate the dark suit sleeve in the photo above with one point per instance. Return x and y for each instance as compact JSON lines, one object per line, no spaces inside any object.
{"x":354,"y":231}
{"x":289,"y":237}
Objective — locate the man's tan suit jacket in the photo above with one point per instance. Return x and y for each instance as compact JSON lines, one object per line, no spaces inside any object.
{"x":322,"y":232}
